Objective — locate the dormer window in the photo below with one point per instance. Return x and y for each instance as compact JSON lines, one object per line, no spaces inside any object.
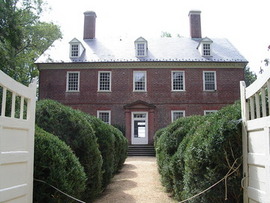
{"x":205,"y":47}
{"x":141,"y":47}
{"x":76,"y":48}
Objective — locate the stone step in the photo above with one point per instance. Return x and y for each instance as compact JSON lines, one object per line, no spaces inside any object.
{"x":141,"y":150}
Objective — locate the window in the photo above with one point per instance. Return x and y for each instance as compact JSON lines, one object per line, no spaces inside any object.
{"x":177,"y":114}
{"x":104,"y":81}
{"x":178,"y":81}
{"x":73,"y":81}
{"x":139,"y":81}
{"x":140,"y":49}
{"x":206,"y":50}
{"x":74,"y":50}
{"x":206,"y":112}
{"x":209,"y":79}
{"x":105,"y":116}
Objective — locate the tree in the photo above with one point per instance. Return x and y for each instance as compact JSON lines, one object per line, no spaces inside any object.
{"x":250,"y":76}
{"x":23,"y":37}
{"x":166,"y":34}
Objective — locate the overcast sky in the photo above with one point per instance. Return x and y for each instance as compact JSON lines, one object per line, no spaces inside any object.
{"x":246,"y":24}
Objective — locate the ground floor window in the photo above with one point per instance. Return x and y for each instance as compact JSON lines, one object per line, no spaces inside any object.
{"x":206,"y":112}
{"x":177,"y":114}
{"x":105,"y":116}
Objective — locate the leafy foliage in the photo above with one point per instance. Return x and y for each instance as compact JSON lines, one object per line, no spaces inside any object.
{"x":107,"y":136}
{"x":250,"y":76}
{"x":23,"y":37}
{"x":56,"y":164}
{"x":195,"y":152}
{"x":72,"y":127}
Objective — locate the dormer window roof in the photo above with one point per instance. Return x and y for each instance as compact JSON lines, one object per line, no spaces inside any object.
{"x":205,"y":47}
{"x":76,"y":48}
{"x":141,"y":47}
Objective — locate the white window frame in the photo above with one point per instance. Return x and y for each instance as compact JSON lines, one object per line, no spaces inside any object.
{"x":206,"y":112}
{"x":177,"y":111}
{"x":67,"y":81}
{"x":145,"y":81}
{"x":215,"y":81}
{"x":206,"y":51}
{"x":141,"y":49}
{"x":110,"y":85}
{"x":104,"y":111}
{"x":172,"y":86}
{"x":72,"y":51}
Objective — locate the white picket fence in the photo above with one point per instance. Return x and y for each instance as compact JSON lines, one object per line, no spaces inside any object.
{"x":255,"y":104}
{"x":17,"y":124}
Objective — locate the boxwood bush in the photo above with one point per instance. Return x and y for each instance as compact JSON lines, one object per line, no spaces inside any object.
{"x":105,"y":139}
{"x":121,"y":148}
{"x":72,"y":127}
{"x":56,"y":164}
{"x":204,"y":156}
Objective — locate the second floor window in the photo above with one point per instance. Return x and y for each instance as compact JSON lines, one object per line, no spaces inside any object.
{"x":104,"y":81}
{"x":139,"y":81}
{"x":73,"y":81}
{"x":178,"y":81}
{"x":209,"y":81}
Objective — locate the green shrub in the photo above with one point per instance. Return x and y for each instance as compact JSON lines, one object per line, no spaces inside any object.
{"x":121,"y":148}
{"x":167,"y":141}
{"x":106,"y":139}
{"x":55,"y":163}
{"x":195,"y":152}
{"x":71,"y":126}
{"x":210,"y":154}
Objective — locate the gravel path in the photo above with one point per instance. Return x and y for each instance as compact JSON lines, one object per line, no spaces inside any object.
{"x":138,"y":181}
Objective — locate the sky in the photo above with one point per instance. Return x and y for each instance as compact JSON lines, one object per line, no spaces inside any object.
{"x":245,"y":23}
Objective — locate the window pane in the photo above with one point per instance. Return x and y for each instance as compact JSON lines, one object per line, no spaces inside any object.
{"x":139,"y":81}
{"x":140,"y":49}
{"x":73,"y":81}
{"x":206,"y":49}
{"x":104,"y":81}
{"x":178,"y":81}
{"x":177,"y":114}
{"x":104,"y":116}
{"x":209,"y":81}
{"x":74,"y":50}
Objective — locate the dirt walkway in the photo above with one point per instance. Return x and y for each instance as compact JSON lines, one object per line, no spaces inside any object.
{"x":137,"y":182}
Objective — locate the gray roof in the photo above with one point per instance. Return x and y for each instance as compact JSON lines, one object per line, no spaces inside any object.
{"x":123,"y":50}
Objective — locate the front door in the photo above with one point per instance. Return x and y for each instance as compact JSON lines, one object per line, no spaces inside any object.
{"x":139,"y":128}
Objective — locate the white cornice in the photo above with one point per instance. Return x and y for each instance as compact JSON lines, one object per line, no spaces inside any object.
{"x":141,"y":65}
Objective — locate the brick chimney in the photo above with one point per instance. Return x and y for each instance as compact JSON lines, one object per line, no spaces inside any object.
{"x":89,"y":31}
{"x":195,"y":24}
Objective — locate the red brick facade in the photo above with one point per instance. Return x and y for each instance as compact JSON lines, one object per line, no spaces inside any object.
{"x":159,"y":99}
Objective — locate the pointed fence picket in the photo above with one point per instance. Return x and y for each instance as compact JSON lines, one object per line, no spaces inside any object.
{"x":17,"y":124}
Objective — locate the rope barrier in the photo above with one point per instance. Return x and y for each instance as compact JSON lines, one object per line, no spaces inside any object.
{"x":229,"y":173}
{"x":59,"y":190}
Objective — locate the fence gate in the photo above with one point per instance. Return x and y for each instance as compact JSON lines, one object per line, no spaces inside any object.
{"x":17,"y":120}
{"x":255,"y":102}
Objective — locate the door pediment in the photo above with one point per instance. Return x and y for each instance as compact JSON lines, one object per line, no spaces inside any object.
{"x":139,"y":104}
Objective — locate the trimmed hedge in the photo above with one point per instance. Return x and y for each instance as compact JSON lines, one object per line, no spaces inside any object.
{"x":72,"y":127}
{"x":205,"y":153}
{"x":112,"y":145}
{"x":55,"y":163}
